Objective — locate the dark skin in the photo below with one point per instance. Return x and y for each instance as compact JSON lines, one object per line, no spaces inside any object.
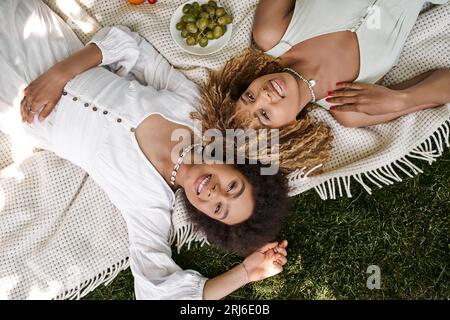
{"x":226,"y":186}
{"x":333,"y":61}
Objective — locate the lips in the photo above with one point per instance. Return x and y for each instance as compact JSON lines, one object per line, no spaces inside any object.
{"x":202,"y":182}
{"x":277,"y":87}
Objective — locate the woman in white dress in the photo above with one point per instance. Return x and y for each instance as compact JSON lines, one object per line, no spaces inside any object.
{"x":120,"y":132}
{"x":330,"y":52}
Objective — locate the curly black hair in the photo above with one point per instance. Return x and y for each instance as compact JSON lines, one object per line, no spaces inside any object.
{"x":271,"y":206}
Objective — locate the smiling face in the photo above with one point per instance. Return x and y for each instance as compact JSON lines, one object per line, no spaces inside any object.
{"x":272,"y":100}
{"x":220,"y":191}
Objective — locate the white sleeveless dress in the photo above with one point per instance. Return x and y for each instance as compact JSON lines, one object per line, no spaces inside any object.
{"x":381,"y":27}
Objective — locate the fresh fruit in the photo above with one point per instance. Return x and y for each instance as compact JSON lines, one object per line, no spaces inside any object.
{"x":136,"y":1}
{"x":152,"y":1}
{"x":201,"y":24}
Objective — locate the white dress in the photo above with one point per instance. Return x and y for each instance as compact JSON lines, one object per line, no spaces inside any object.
{"x":93,"y":127}
{"x":381,"y":27}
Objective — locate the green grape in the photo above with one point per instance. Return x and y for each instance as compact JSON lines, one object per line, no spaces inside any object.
{"x":218,"y":32}
{"x":212,"y":25}
{"x":184,"y":33}
{"x":228,"y":19}
{"x":191,"y":27}
{"x":189,"y":18}
{"x":202,"y":23}
{"x":211,"y":11}
{"x":209,"y":35}
{"x":194,"y":12}
{"x":204,"y":14}
{"x":186,"y":8}
{"x":191,"y":41}
{"x":220,"y":12}
{"x":222,"y":21}
{"x":203,"y":42}
{"x":180,"y":26}
{"x":196,"y":5}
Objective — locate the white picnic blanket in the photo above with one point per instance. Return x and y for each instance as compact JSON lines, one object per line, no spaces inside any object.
{"x":60,"y":237}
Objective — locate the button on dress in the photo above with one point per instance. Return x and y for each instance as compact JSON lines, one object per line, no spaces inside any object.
{"x":93,"y":126}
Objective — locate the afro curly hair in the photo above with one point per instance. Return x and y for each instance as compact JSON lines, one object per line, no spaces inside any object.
{"x":271,"y":206}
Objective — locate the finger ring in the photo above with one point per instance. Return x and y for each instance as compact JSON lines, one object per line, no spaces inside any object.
{"x":29,"y":109}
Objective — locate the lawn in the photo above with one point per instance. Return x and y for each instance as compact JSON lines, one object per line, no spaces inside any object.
{"x":403,"y":229}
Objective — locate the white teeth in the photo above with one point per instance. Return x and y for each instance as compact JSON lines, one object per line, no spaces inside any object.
{"x":202,"y":184}
{"x":277,"y":88}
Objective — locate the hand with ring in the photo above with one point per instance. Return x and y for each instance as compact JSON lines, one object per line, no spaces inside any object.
{"x":42,"y":95}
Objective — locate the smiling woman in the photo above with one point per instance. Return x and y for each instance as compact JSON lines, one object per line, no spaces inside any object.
{"x":119,"y":131}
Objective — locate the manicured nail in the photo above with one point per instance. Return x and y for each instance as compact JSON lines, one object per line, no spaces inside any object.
{"x":331,"y":93}
{"x":328,"y":99}
{"x":338,"y":84}
{"x":333,"y":108}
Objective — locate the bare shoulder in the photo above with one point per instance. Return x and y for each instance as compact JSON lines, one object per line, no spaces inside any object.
{"x":272,"y":19}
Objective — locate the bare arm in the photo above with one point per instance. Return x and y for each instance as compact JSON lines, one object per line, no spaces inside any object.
{"x":359,"y":120}
{"x":271,"y":21}
{"x":44,"y":92}
{"x":362,"y":102}
{"x":264,"y":263}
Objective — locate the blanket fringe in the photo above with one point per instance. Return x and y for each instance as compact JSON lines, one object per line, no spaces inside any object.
{"x":184,"y":235}
{"x":106,"y":277}
{"x":432,"y":148}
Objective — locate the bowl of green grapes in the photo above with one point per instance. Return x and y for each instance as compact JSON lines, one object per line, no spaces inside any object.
{"x":201,"y":27}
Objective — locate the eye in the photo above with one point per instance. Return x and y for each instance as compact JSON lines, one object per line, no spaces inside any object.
{"x":218,"y":207}
{"x":265,"y":115}
{"x":250,"y":97}
{"x":231,"y":186}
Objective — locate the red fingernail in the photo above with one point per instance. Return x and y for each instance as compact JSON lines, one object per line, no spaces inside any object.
{"x":332,"y":108}
{"x":331,"y":93}
{"x":338,"y":84}
{"x":328,"y":100}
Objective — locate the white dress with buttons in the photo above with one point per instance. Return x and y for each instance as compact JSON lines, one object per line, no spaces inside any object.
{"x":93,"y":127}
{"x":381,"y":27}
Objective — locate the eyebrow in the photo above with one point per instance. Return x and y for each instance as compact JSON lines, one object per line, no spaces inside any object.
{"x":237,"y":195}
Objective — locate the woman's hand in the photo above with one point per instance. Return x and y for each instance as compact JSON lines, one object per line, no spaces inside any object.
{"x":370,"y":99}
{"x":41,"y":95}
{"x":266,"y":262}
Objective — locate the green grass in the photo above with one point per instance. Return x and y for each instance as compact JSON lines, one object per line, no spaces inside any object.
{"x":401,"y":228}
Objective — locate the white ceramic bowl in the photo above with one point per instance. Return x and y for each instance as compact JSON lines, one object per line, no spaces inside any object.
{"x":213,"y":45}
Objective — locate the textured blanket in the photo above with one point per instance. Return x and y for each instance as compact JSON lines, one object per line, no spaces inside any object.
{"x":60,"y":237}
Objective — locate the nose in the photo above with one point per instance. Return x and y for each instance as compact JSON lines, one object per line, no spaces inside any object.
{"x":212,"y":193}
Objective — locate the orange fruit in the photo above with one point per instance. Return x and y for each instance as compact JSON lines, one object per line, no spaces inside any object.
{"x":136,"y":1}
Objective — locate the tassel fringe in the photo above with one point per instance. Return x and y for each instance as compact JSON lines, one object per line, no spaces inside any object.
{"x":106,"y":277}
{"x":429,"y":151}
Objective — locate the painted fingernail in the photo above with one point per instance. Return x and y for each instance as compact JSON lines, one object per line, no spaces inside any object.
{"x":331,"y":93}
{"x":328,"y":100}
{"x":333,"y":108}
{"x":338,"y":84}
